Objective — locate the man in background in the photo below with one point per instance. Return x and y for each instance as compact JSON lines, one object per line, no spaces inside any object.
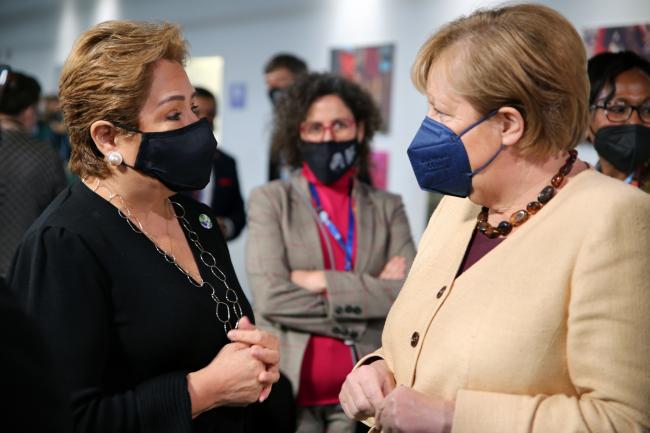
{"x":222,"y":194}
{"x":280,"y":72}
{"x":31,"y":174}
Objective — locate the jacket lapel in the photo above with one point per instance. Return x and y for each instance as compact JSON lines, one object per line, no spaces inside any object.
{"x":306,"y":232}
{"x":365,"y":224}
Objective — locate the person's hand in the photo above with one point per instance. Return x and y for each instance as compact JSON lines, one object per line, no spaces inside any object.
{"x":230,"y":379}
{"x":226,"y":226}
{"x":265,"y":347}
{"x":363,"y":391}
{"x":407,"y":411}
{"x":314,"y":281}
{"x":222,"y":226}
{"x":395,"y":269}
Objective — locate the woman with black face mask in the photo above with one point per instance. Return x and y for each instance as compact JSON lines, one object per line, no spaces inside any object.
{"x":619,"y":103}
{"x":131,"y":282}
{"x":327,"y":253}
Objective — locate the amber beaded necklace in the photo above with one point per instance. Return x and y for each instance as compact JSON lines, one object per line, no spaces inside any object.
{"x":521,"y":216}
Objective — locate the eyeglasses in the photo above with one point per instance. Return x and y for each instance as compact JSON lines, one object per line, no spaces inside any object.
{"x":618,"y":111}
{"x":341,"y":129}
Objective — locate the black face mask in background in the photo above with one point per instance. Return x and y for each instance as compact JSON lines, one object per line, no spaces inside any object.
{"x":275,"y":94}
{"x":626,"y":147}
{"x":181,"y":158}
{"x":329,"y":160}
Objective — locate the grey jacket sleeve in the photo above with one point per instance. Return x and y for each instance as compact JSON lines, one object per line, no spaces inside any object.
{"x":362,"y":296}
{"x":276,"y":298}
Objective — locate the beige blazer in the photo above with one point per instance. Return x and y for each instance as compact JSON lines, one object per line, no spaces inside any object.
{"x":283,"y":236}
{"x":547,"y":333}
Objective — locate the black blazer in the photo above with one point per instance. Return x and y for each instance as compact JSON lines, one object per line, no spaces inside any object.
{"x":227,"y":201}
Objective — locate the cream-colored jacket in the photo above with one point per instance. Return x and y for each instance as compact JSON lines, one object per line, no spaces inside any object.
{"x":547,"y":333}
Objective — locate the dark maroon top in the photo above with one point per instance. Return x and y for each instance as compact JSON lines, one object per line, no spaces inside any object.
{"x":479,"y":246}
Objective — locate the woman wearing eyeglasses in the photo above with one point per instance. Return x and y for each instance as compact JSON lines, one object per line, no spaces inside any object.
{"x":326,"y":254}
{"x":619,"y":128}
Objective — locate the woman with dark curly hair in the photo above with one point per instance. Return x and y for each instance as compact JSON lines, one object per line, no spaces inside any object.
{"x":327,"y":254}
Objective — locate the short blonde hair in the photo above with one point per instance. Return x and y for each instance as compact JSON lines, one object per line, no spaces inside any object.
{"x":107,"y":76}
{"x":524,"y":56}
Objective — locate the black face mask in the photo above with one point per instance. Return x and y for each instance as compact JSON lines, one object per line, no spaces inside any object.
{"x":626,"y":147}
{"x":181,"y":159}
{"x":329,"y":160}
{"x":275,"y":94}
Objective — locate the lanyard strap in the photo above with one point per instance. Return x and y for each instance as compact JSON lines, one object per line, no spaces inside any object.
{"x":348,"y":245}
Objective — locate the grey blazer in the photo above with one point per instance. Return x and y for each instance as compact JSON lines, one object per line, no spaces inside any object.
{"x":283,"y":236}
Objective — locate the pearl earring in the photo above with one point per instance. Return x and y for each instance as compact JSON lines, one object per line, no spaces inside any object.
{"x":115,"y":158}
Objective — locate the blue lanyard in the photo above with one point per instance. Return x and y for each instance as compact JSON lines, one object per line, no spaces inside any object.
{"x":348,"y":244}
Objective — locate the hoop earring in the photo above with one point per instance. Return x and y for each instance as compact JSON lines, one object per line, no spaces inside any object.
{"x":115,"y":158}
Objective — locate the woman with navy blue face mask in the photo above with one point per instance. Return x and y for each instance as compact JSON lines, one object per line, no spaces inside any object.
{"x":131,"y":282}
{"x":528,"y":304}
{"x":327,"y":253}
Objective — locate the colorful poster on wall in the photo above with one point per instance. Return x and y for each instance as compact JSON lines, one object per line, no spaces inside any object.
{"x":627,"y":38}
{"x":372,"y":67}
{"x":379,"y":169}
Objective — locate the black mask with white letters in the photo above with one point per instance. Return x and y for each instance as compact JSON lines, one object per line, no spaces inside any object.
{"x":329,"y":160}
{"x":626,"y":147}
{"x":181,"y":158}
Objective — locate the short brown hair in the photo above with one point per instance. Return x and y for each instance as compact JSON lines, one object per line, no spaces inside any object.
{"x":107,"y":76}
{"x":524,"y":56}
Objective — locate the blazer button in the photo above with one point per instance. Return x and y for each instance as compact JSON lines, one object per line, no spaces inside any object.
{"x":357,"y":310}
{"x":338,"y":310}
{"x":441,"y":292}
{"x":336,"y":330}
{"x":354,"y":334}
{"x":349,"y":309}
{"x":414,"y":339}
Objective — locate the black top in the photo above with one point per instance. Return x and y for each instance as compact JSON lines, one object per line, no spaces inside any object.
{"x":226,"y":194}
{"x":125,"y":326}
{"x":33,"y":399}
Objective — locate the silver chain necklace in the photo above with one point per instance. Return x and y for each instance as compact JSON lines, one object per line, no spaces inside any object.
{"x":222,"y":310}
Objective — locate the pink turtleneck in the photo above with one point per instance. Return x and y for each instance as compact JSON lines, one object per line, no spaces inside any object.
{"x":327,"y":361}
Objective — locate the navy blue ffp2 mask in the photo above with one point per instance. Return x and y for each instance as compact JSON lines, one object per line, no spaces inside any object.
{"x":439,"y":159}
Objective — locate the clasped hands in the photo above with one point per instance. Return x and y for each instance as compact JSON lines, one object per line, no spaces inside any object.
{"x":241,"y":373}
{"x":370,"y":391}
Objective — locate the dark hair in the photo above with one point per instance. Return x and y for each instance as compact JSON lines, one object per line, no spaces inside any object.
{"x":292,"y":110}
{"x":603,"y":69}
{"x":205,"y":93}
{"x":21,"y":91}
{"x":296,"y":65}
